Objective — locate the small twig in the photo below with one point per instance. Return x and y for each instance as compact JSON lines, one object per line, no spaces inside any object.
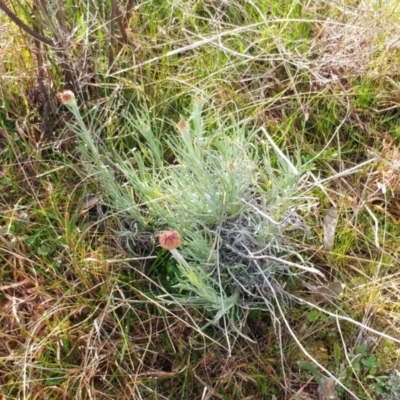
{"x":112,"y":33}
{"x":278,"y":260}
{"x":300,"y":391}
{"x":260,"y":212}
{"x":376,"y":226}
{"x":24,"y":282}
{"x":123,"y":21}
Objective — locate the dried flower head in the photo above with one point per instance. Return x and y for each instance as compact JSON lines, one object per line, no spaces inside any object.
{"x":199,"y":99}
{"x":182,"y":125}
{"x":170,"y":240}
{"x":231,"y":167}
{"x":66,"y":97}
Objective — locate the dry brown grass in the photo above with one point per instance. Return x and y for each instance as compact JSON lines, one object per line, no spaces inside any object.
{"x":359,"y":41}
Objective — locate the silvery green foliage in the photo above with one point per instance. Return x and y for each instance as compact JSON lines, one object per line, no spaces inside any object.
{"x":229,"y":191}
{"x":392,"y":387}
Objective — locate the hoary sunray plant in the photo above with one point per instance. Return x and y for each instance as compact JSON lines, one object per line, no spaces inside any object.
{"x":235,"y":199}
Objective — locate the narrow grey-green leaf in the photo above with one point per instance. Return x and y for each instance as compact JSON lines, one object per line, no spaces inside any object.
{"x":330,"y":223}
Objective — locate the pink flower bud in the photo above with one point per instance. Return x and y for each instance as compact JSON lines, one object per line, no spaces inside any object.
{"x":170,"y":240}
{"x":231,"y":167}
{"x":182,"y":125}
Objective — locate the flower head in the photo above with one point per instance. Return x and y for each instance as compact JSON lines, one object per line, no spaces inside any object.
{"x":66,"y":97}
{"x":182,"y":125}
{"x":231,"y":167}
{"x":170,"y":240}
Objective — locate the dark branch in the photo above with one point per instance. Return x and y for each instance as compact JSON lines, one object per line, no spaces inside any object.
{"x":25,"y":27}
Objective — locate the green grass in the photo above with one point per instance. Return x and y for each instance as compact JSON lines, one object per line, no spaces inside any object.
{"x":92,"y":308}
